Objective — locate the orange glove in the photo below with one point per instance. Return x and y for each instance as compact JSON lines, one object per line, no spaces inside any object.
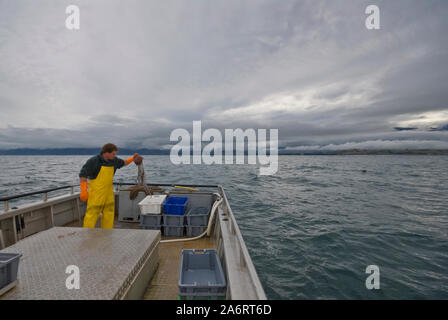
{"x":84,"y":194}
{"x":131,"y":159}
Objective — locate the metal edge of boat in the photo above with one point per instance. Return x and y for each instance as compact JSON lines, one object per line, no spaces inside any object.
{"x":19,"y":223}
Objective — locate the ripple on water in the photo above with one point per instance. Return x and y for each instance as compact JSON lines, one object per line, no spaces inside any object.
{"x":314,"y":227}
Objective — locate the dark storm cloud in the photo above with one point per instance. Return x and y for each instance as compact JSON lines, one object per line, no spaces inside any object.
{"x":138,"y":69}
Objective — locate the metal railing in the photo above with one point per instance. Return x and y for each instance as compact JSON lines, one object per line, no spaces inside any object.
{"x":72,"y":190}
{"x":28,"y":194}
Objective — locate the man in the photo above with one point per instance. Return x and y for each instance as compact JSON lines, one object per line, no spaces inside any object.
{"x":100,"y":171}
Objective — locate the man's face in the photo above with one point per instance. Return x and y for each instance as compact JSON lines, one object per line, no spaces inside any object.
{"x":109,"y":155}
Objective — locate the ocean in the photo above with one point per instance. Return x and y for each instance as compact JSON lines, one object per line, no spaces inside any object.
{"x":314,"y":227}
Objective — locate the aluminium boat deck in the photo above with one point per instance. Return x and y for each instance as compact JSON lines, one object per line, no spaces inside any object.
{"x":127,"y":271}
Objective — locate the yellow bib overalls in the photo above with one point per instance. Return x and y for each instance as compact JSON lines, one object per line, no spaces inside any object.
{"x":101,"y":199}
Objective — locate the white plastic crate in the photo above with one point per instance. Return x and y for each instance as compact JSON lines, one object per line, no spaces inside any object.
{"x":152,"y":204}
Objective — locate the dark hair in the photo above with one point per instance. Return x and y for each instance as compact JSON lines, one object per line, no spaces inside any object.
{"x":109,"y":147}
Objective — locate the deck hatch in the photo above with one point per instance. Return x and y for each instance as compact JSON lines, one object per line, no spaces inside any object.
{"x":108,"y":260}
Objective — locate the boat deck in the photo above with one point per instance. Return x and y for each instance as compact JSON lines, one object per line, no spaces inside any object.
{"x":164,"y":284}
{"x":49,"y":236}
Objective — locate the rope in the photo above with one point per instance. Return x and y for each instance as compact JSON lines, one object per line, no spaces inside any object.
{"x":141,"y":185}
{"x":135,"y":190}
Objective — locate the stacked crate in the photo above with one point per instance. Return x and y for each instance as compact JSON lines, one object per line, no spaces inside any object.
{"x":179,"y":213}
{"x":151,"y":212}
{"x":174,"y":216}
{"x":197,"y":221}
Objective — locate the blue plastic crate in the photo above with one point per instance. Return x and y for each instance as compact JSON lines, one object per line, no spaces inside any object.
{"x":172,"y":231}
{"x":198,"y":216}
{"x":175,"y":205}
{"x":194,"y":231}
{"x":201,"y":275}
{"x":173,"y":220}
{"x":9,"y":265}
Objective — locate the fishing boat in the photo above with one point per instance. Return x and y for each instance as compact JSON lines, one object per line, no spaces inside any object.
{"x":126,"y":262}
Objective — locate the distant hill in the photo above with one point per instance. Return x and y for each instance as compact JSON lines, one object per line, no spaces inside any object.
{"x":373,"y":152}
{"x":77,"y":151}
{"x":126,"y":151}
{"x":404,"y":151}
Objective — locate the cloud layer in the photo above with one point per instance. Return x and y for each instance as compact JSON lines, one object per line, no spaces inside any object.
{"x":138,"y":69}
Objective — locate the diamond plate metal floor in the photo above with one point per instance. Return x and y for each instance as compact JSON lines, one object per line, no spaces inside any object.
{"x":108,"y":260}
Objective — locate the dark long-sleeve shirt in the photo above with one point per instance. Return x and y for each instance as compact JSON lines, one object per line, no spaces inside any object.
{"x":93,"y":166}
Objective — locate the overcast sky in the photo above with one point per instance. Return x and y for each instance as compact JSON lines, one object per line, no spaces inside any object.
{"x":138,"y":69}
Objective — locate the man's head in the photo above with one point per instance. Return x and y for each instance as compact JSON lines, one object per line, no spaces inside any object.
{"x":108,"y":151}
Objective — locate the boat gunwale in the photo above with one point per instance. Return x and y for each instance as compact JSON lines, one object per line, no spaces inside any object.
{"x":244,"y":253}
{"x":117,"y":184}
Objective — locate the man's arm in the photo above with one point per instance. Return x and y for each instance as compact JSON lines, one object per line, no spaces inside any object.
{"x":87,"y":168}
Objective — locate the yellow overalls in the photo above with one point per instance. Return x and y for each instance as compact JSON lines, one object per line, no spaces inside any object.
{"x":101,"y":199}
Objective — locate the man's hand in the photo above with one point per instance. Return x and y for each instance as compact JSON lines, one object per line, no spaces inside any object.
{"x":84,"y":194}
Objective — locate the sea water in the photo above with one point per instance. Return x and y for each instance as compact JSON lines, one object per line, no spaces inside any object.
{"x":313,"y":228}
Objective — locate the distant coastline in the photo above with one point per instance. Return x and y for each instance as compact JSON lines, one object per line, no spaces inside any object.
{"x":75,"y":151}
{"x":373,"y":152}
{"x":379,"y":152}
{"x":125,"y":151}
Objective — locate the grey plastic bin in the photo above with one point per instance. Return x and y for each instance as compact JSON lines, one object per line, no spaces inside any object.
{"x":195,"y":199}
{"x":198,"y":216}
{"x":172,"y":231}
{"x":201,"y":275}
{"x":173,"y":220}
{"x":157,"y":227}
{"x":193,"y":296}
{"x":194,"y":231}
{"x":149,"y":220}
{"x":9,"y":265}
